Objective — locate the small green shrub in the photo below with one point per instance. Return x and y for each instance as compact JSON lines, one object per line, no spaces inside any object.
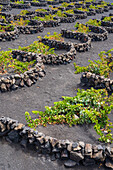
{"x":24,"y":12}
{"x":91,"y":106}
{"x":55,"y":36}
{"x":38,"y":47}
{"x":108,"y":18}
{"x":7,"y":62}
{"x":20,"y":22}
{"x":6,"y":28}
{"x":94,"y":22}
{"x":19,"y":2}
{"x":101,"y":67}
{"x":45,"y":18}
{"x":81,"y":28}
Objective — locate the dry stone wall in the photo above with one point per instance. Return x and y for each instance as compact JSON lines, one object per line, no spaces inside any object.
{"x":71,"y":152}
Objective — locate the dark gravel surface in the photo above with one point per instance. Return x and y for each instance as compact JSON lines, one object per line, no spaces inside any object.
{"x":13,"y":158}
{"x":59,"y":81}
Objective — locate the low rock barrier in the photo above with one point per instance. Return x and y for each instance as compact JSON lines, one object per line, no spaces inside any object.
{"x":67,"y":19}
{"x":9,"y":35}
{"x":97,"y":33}
{"x":92,"y":80}
{"x":108,"y":26}
{"x":56,"y":2}
{"x":63,"y":58}
{"x":91,"y":13}
{"x":99,"y":10}
{"x":20,"y":6}
{"x":31,"y":29}
{"x":5,"y":8}
{"x":8,"y":17}
{"x":28,"y":78}
{"x":85,"y":41}
{"x":51,"y":23}
{"x":39,"y":4}
{"x":71,"y":152}
{"x":14,"y":81}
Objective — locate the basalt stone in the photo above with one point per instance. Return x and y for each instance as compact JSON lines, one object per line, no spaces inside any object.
{"x":74,"y":145}
{"x":76,"y":156}
{"x":56,"y":150}
{"x":88,"y":150}
{"x":14,"y":87}
{"x":95,"y":148}
{"x":48,"y":147}
{"x":64,"y":154}
{"x":53,"y":158}
{"x":81,"y":144}
{"x":14,"y":124}
{"x":88,"y":162}
{"x":88,"y":75}
{"x":24,"y":143}
{"x":41,"y":74}
{"x":13,"y":136}
{"x":3,"y":87}
{"x":98,"y":155}
{"x":5,"y":80}
{"x":19,"y":127}
{"x":17,"y":82}
{"x":58,"y":155}
{"x":108,"y":150}
{"x":40,"y":140}
{"x":70,"y":163}
{"x":109,"y":163}
{"x":100,"y":147}
{"x":22,"y":83}
{"x":53,"y":141}
{"x":2,"y":127}
{"x":84,"y":80}
{"x":29,"y":82}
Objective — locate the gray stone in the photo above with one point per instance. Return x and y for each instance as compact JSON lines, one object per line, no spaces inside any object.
{"x":41,"y":74}
{"x":99,"y":147}
{"x":3,"y":87}
{"x":64,"y":154}
{"x":17,"y":76}
{"x":74,"y":145}
{"x":69,"y":147}
{"x":108,"y":150}
{"x":70,"y":163}
{"x":82,"y":144}
{"x":76,"y":156}
{"x":53,"y":158}
{"x":88,"y":149}
{"x":2,"y":127}
{"x":14,"y":136}
{"x":17,"y":82}
{"x":53,"y":141}
{"x":5,"y":80}
{"x":29,"y":82}
{"x":23,"y":143}
{"x":14,"y":87}
{"x":109,"y":163}
{"x":22,"y":83}
{"x":88,"y":162}
{"x":95,"y":148}
{"x":98,"y":155}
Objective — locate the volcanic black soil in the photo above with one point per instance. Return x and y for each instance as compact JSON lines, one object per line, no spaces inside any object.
{"x":59,"y":81}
